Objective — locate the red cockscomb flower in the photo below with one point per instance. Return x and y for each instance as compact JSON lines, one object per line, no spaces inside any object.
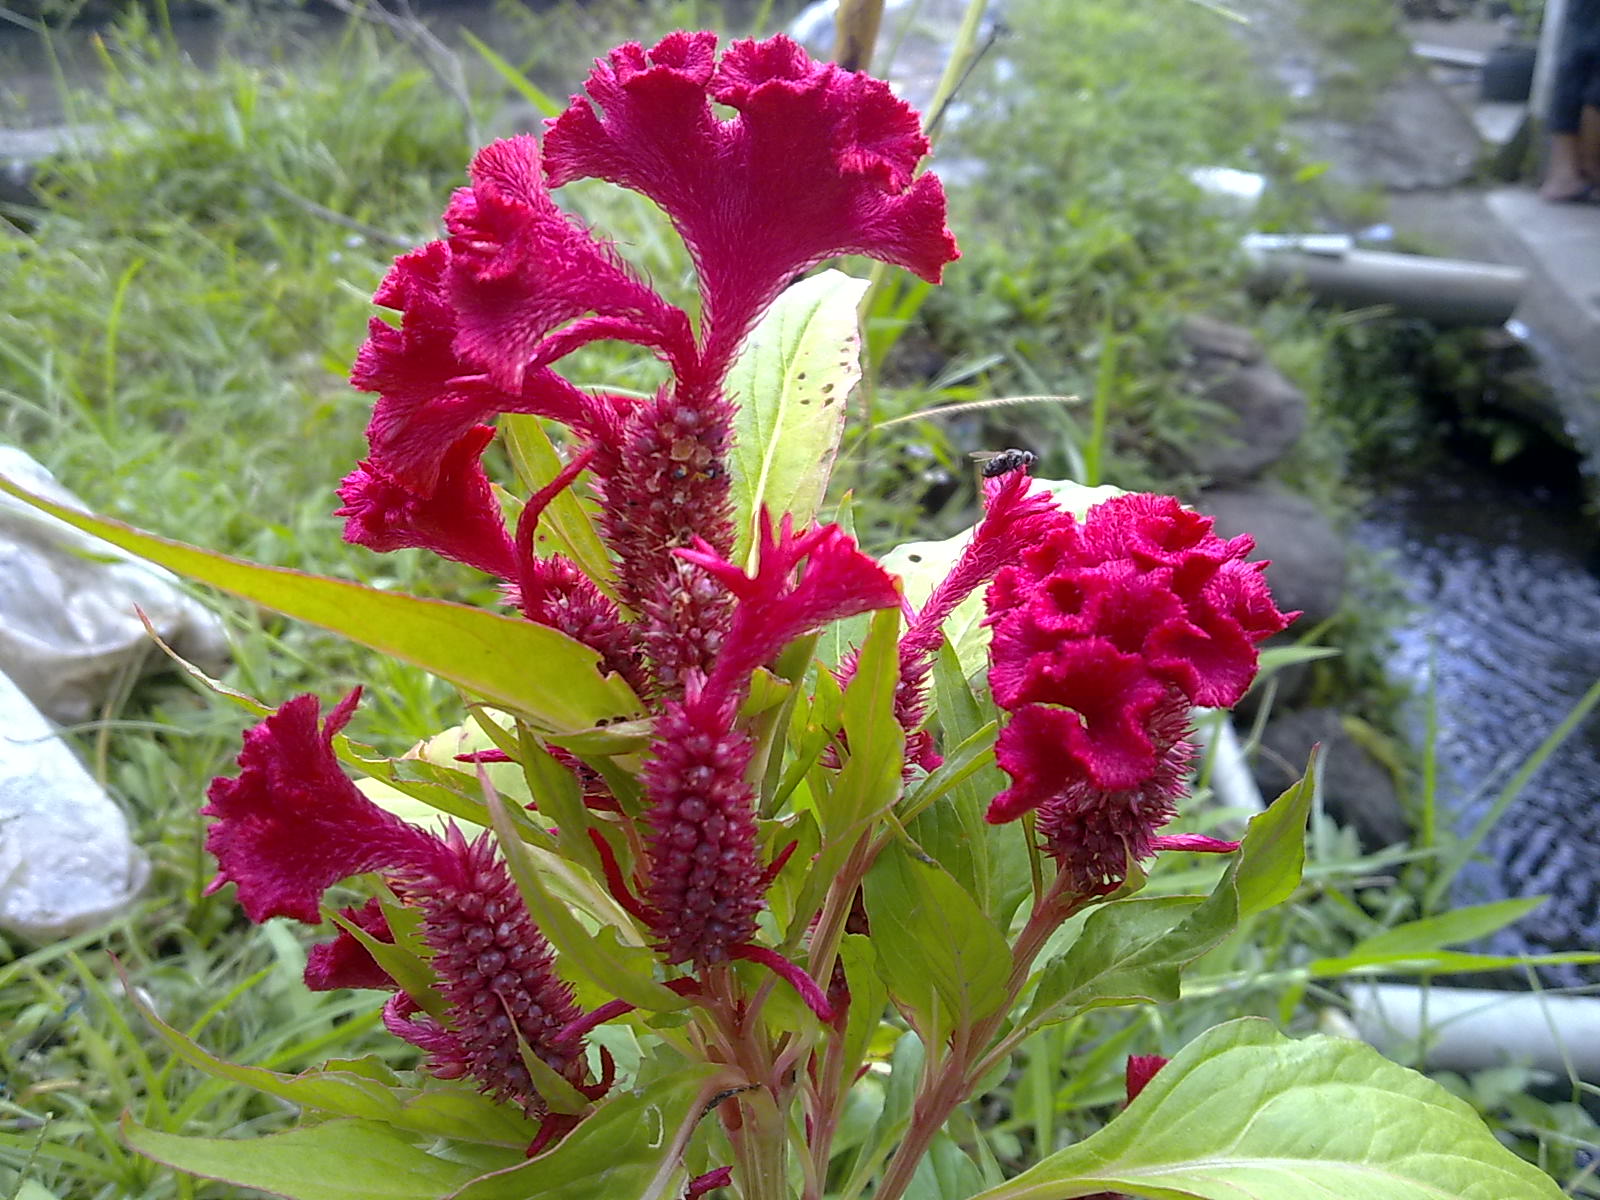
{"x":1106,"y":631}
{"x":815,"y":162}
{"x":292,"y":825}
{"x":703,"y":882}
{"x":460,"y":519}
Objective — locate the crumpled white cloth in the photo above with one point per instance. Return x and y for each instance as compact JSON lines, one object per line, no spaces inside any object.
{"x":68,"y":635}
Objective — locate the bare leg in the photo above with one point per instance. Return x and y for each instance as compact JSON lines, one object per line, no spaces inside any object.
{"x":1589,"y":143}
{"x":1563,"y":179}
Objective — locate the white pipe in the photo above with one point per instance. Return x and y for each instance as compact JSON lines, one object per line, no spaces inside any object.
{"x":1444,"y":290}
{"x":1470,"y":1029}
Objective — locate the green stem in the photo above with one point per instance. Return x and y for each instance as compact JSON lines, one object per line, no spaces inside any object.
{"x":959,"y":1074}
{"x":955,"y":67}
{"x":761,"y":1148}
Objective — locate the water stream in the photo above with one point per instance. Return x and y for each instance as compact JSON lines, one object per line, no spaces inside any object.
{"x":1504,"y":577}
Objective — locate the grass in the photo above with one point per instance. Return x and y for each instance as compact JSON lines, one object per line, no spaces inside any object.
{"x":177,"y":326}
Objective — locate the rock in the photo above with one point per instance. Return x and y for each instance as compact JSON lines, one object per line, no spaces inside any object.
{"x":22,"y":152}
{"x":1309,"y":559}
{"x":68,"y":628}
{"x":1264,"y":414}
{"x":1412,"y":137}
{"x":66,"y":861}
{"x":1209,"y":338}
{"x":1357,"y":790}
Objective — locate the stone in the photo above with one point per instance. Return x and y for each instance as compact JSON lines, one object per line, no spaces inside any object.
{"x":1357,"y":790}
{"x":1262,"y":414}
{"x":66,"y":860}
{"x":1310,"y":562}
{"x":1207,"y":337}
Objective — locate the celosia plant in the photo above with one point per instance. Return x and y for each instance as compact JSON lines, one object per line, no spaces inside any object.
{"x":711,"y":860}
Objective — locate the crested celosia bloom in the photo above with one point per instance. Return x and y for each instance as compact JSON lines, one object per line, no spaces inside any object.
{"x":1105,"y":632}
{"x":291,"y":825}
{"x":767,"y":164}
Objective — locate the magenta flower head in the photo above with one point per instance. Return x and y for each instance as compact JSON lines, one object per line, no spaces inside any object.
{"x":816,"y":162}
{"x":292,"y":825}
{"x":813,"y":162}
{"x":1105,"y":633}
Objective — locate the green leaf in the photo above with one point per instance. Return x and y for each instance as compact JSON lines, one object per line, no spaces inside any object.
{"x":347,"y":1090}
{"x":1447,"y":929}
{"x":335,"y":1160}
{"x":1273,"y":853}
{"x":566,"y":526}
{"x":867,"y":1000}
{"x":621,"y":971}
{"x":1416,"y":961}
{"x":630,"y":1149}
{"x":1000,"y":852}
{"x":790,"y":382}
{"x":869,"y":783}
{"x":541,"y":100}
{"x":520,"y":666}
{"x":408,"y":970}
{"x":1245,"y":1112}
{"x":1132,"y":952}
{"x":940,"y":955}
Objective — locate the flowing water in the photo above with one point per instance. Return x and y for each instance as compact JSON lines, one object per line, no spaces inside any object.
{"x":1504,"y":577}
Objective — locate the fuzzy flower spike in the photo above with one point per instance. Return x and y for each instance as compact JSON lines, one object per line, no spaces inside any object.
{"x":1106,"y":632}
{"x":291,"y":825}
{"x":704,"y":884}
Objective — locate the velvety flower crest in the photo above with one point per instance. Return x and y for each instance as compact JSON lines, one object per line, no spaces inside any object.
{"x":292,"y":825}
{"x":1105,"y":632}
{"x":459,"y":519}
{"x":816,"y":162}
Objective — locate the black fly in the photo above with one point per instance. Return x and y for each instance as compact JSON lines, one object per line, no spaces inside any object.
{"x":1002,"y":462}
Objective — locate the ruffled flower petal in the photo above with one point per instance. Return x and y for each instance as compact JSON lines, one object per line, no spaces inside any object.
{"x":816,"y":162}
{"x":345,"y":962}
{"x":774,"y":608}
{"x":429,"y":396}
{"x":292,"y":825}
{"x":520,"y":268}
{"x":1105,"y":632}
{"x":460,"y":519}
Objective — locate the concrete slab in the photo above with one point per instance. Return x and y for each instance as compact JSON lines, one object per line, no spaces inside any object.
{"x":1470,"y":36}
{"x":1564,"y":238}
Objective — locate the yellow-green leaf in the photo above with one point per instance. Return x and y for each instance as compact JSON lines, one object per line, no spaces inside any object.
{"x":532,"y":670}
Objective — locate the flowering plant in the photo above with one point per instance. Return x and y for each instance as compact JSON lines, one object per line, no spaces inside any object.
{"x":757,"y":857}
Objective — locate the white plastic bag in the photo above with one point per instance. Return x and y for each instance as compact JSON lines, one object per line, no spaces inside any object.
{"x":68,"y":631}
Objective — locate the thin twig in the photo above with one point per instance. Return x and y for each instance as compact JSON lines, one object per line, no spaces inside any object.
{"x":444,"y":62}
{"x":323,"y":212}
{"x":950,"y":410}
